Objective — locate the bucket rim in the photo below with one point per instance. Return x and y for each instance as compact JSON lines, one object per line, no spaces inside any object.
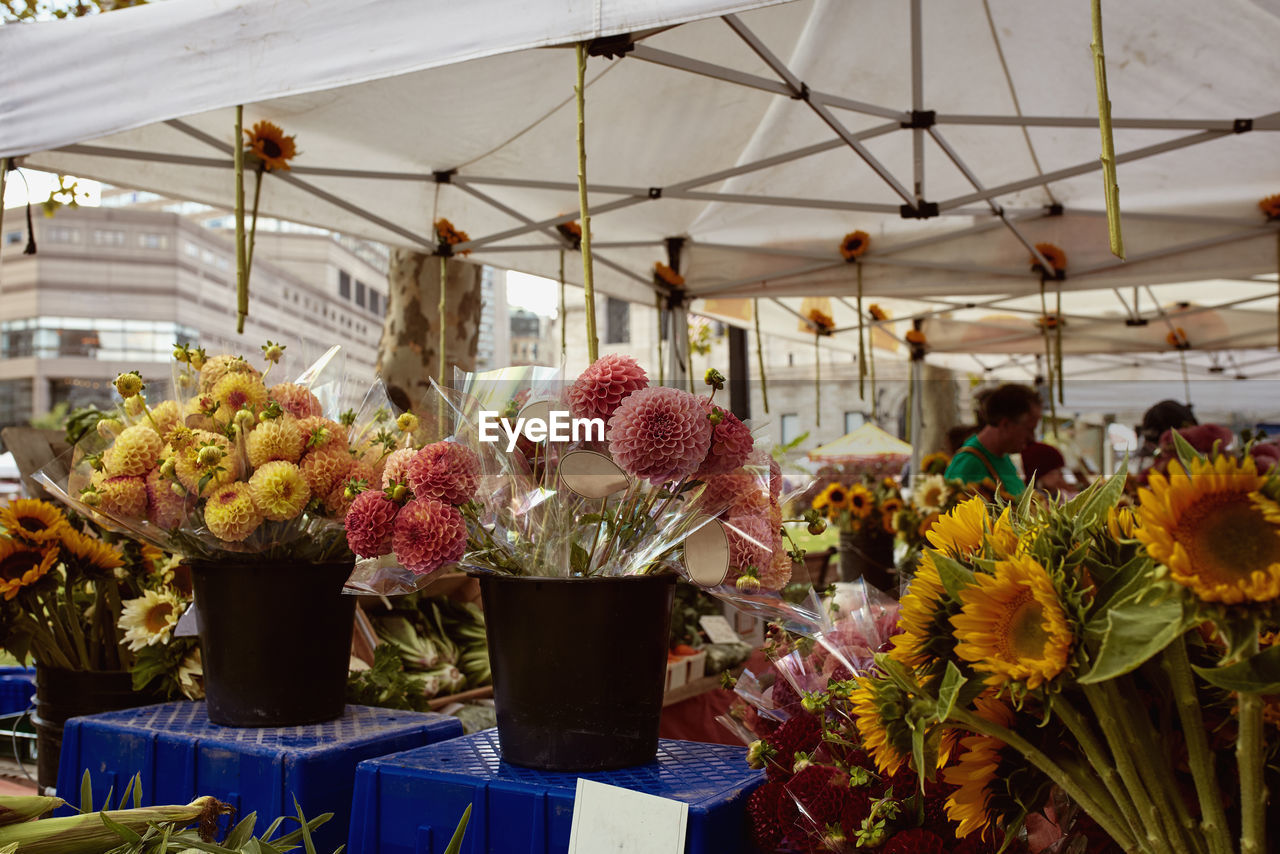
{"x":668,"y":578}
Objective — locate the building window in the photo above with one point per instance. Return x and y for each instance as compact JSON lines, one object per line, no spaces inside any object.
{"x":359,"y":293}
{"x":108,"y":237}
{"x":790,"y":428}
{"x":344,"y":284}
{"x":853,"y":420}
{"x":375,"y":302}
{"x":190,"y":249}
{"x":153,"y":241}
{"x":12,"y":237}
{"x":61,"y":234}
{"x":15,"y":402}
{"x":617,"y":328}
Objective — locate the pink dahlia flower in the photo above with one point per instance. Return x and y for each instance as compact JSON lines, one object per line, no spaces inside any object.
{"x":428,"y":535}
{"x":1200,"y":436}
{"x":602,"y":387}
{"x":731,"y":442}
{"x":295,"y":399}
{"x":445,"y":470}
{"x":738,"y":493}
{"x":370,"y":523}
{"x":750,"y":541}
{"x":659,"y":434}
{"x":397,"y":466}
{"x":775,"y":479}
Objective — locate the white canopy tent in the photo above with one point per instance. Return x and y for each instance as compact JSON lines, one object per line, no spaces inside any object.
{"x":750,"y":135}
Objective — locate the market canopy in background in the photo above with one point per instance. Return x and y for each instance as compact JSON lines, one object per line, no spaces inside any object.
{"x":866,"y":443}
{"x":757,"y":135}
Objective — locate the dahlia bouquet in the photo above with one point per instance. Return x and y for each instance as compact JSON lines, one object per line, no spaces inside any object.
{"x":231,"y":465}
{"x":1122,"y":658}
{"x":80,"y":598}
{"x":650,"y":467}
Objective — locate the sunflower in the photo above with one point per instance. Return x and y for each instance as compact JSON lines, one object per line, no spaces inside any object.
{"x":1120,"y":523}
{"x":888,"y":510}
{"x":667,"y":276}
{"x":1056,"y":257}
{"x":925,"y":527}
{"x":823,"y":323}
{"x":854,"y":244}
{"x":32,"y":521}
{"x":271,"y":146}
{"x":1012,"y":625}
{"x":191,"y":676}
{"x":1177,"y":339}
{"x":935,"y":463}
{"x":1270,"y":206}
{"x":877,"y":313}
{"x":89,"y":555}
{"x":931,"y":493}
{"x":1004,"y":540}
{"x":960,"y":531}
{"x":1213,"y":530}
{"x":21,"y":565}
{"x":861,"y":501}
{"x":834,"y":498}
{"x":149,"y":619}
{"x":975,"y":802}
{"x":915,"y":336}
{"x":877,"y":706}
{"x":925,"y":619}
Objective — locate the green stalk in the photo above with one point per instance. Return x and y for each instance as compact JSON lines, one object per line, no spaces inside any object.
{"x":62,"y":640}
{"x":817,"y":381}
{"x":1098,"y":757}
{"x":658,"y":304}
{"x":1109,"y":182}
{"x":76,"y":630}
{"x":871,"y":368}
{"x":1057,"y":346}
{"x":1250,"y":759}
{"x":1086,"y":793}
{"x":588,"y":280}
{"x":444,"y":327}
{"x":123,"y":658}
{"x":1048,"y":354}
{"x":564,"y":330}
{"x":242,"y":266}
{"x":4,"y":173}
{"x":46,"y":645}
{"x":764,"y":388}
{"x":688,"y":337}
{"x":1120,"y":747}
{"x":253,"y":223}
{"x":862,"y":349}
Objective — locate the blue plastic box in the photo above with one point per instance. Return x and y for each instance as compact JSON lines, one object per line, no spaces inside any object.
{"x":17,"y":687}
{"x":410,"y":803}
{"x":181,"y":756}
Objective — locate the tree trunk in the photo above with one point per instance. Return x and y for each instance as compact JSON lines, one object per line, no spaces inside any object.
{"x":408,"y":354}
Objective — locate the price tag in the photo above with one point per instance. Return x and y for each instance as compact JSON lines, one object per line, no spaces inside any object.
{"x":718,"y":629}
{"x":613,"y":819}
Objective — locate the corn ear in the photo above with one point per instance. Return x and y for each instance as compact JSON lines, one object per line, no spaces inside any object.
{"x":93,"y":833}
{"x":19,"y":808}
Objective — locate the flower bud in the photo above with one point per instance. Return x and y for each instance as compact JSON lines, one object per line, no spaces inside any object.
{"x":198,"y":358}
{"x":167,"y":468}
{"x":714,"y":378}
{"x":244,"y":420}
{"x":748,"y":584}
{"x":91,"y":497}
{"x":181,"y":354}
{"x":397,"y":491}
{"x":109,"y":427}
{"x":208,"y":456}
{"x":407,"y":422}
{"x":135,"y":406}
{"x":129,"y":384}
{"x":817,"y":526}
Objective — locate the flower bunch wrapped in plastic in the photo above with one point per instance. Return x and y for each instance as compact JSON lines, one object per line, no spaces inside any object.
{"x":231,"y":466}
{"x":603,"y":476}
{"x":1121,"y":657}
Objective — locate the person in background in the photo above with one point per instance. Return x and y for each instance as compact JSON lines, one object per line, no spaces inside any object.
{"x":957,"y":436}
{"x":1046,"y":465}
{"x":1009,"y":415}
{"x":1165,"y":415}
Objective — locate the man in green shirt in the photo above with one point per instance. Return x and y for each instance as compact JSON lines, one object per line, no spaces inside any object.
{"x":1009,"y":415}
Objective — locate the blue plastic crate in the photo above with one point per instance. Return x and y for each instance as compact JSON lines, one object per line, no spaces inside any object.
{"x":410,"y":803}
{"x":181,"y":756}
{"x":17,"y":687}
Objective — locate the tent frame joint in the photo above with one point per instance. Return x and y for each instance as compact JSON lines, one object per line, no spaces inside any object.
{"x":1055,"y":209}
{"x":444,"y":176}
{"x":919,"y":210}
{"x":922,"y":119}
{"x":1242,"y":126}
{"x":611,"y":47}
{"x":655,"y":192}
{"x":802,"y":94}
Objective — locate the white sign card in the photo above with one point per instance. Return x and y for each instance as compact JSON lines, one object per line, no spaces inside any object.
{"x":620,"y":821}
{"x":718,"y":629}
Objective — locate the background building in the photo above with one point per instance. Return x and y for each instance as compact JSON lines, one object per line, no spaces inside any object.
{"x":531,"y":342}
{"x":493,"y":344}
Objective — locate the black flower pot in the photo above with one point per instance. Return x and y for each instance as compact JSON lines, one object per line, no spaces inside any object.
{"x":65,"y":694}
{"x":579,"y":668}
{"x":275,"y":640}
{"x":868,"y":554}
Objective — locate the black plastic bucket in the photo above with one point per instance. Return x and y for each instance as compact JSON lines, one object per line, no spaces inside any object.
{"x":579,"y":668}
{"x":65,"y":694}
{"x":275,"y":640}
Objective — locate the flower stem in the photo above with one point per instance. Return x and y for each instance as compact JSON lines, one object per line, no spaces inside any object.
{"x":253,"y":221}
{"x":764,"y":389}
{"x":242,"y":266}
{"x":817,"y":381}
{"x":1213,"y":818}
{"x":588,"y":280}
{"x":1109,"y":183}
{"x":1104,"y":709}
{"x":1098,"y":757}
{"x":1251,"y":759}
{"x":862,"y":346}
{"x":564,"y":328}
{"x":1083,"y":792}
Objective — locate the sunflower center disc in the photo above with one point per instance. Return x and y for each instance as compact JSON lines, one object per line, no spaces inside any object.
{"x":1229,"y":539}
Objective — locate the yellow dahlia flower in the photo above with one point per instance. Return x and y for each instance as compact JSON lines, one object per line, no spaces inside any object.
{"x":277,"y":439}
{"x":166,"y":416}
{"x":279,"y":490}
{"x":237,"y":391}
{"x":217,"y":367}
{"x":230,"y":513}
{"x":190,"y":470}
{"x":134,"y":451}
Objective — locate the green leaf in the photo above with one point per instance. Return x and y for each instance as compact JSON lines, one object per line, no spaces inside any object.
{"x":242,"y":832}
{"x":1123,"y":584}
{"x":455,"y":844}
{"x":137,"y":790}
{"x":917,"y":752}
{"x":1131,"y":634}
{"x":86,"y":793}
{"x":128,"y":835}
{"x":1186,"y":453}
{"x":955,"y":575}
{"x":1258,"y":674}
{"x":896,"y":672}
{"x":1097,"y":500}
{"x":307,"y":844}
{"x":952,"y":681}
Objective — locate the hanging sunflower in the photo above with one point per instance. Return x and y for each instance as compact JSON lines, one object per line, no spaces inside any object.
{"x":1177,"y":339}
{"x":1270,"y":206}
{"x":21,"y":565}
{"x":1121,"y":523}
{"x":664,"y":275}
{"x":447,"y":237}
{"x":916,"y":338}
{"x":269,"y":144}
{"x":855,"y":243}
{"x":820,"y":321}
{"x":877,"y":313}
{"x":88,"y":555}
{"x":1056,"y":257}
{"x":1049,"y":321}
{"x":861,"y":502}
{"x":1213,"y":530}
{"x":572,"y":232}
{"x":1012,"y":625}
{"x":32,"y":521}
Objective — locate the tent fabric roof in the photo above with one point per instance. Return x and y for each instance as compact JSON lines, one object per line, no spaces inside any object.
{"x":865,"y":442}
{"x":758,"y":133}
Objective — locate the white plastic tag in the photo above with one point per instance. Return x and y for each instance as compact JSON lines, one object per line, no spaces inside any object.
{"x":718,"y":629}
{"x":613,"y":819}
{"x":188,"y":624}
